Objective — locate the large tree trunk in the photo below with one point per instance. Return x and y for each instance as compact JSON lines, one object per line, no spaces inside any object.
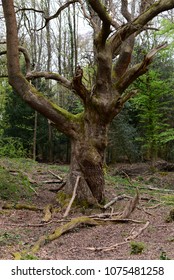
{"x":87,"y":160}
{"x":90,"y":169}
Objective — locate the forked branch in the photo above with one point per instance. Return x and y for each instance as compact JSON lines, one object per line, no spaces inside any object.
{"x":136,"y":71}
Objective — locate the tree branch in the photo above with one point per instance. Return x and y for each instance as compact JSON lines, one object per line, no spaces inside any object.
{"x":42,"y":74}
{"x":64,"y":121}
{"x":137,"y":24}
{"x":63,"y":7}
{"x":136,"y":71}
{"x":106,"y":19}
{"x":124,"y":10}
{"x":49,"y":76}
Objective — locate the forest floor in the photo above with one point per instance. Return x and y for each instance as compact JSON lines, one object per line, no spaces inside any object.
{"x":147,"y":234}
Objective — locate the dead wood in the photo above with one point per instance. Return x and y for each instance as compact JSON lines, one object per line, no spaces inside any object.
{"x":57,"y":189}
{"x":115,"y":220}
{"x":127,"y":240}
{"x":19,"y":206}
{"x":43,"y":240}
{"x":61,"y":230}
{"x":47,"y":213}
{"x":134,"y":234}
{"x":151,"y":188}
{"x":73,"y":197}
{"x":51,"y":182}
{"x":115,"y":199}
{"x":57,"y":176}
{"x":130,"y":206}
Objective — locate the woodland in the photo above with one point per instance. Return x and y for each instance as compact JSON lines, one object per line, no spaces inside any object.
{"x":87,"y":129}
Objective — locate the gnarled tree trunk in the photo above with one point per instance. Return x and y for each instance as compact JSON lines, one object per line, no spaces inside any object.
{"x":87,"y":159}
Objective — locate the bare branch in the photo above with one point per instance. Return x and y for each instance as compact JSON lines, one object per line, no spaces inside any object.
{"x":136,"y":71}
{"x":49,"y":76}
{"x":30,"y":9}
{"x":124,"y":10}
{"x":87,"y":16}
{"x":138,"y":24}
{"x":72,"y":198}
{"x":101,"y":11}
{"x":63,"y":7}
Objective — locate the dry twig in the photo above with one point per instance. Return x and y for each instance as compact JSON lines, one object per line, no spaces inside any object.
{"x":73,"y":197}
{"x":115,"y":199}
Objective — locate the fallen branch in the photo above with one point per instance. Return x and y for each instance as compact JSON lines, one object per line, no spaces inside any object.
{"x":115,"y":220}
{"x":51,"y":182}
{"x":61,"y":230}
{"x":73,"y":197}
{"x":19,"y":206}
{"x":57,"y":176}
{"x":115,"y":199}
{"x":157,"y":189}
{"x":130,"y":206}
{"x":134,"y":234}
{"x":112,"y":247}
{"x":57,"y":189}
{"x":154,"y":206}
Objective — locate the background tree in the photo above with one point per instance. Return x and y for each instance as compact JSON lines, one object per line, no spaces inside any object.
{"x":114,"y":40}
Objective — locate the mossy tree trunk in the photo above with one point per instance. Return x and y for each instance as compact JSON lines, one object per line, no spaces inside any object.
{"x":87,"y":161}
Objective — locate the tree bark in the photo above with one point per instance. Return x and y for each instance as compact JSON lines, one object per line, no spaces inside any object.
{"x":87,"y":159}
{"x":91,"y":185}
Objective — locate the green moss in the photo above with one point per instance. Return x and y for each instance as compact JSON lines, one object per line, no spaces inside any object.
{"x":137,"y":247}
{"x":63,"y":199}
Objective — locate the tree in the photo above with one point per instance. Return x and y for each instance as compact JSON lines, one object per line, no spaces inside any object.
{"x":152,"y":104}
{"x":113,"y":48}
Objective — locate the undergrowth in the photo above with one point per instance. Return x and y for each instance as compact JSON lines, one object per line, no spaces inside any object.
{"x":14,"y":187}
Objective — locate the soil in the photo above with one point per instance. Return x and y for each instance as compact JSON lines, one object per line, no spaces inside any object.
{"x":20,"y":229}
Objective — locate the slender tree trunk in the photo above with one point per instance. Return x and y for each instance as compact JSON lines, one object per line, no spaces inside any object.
{"x":35,"y":135}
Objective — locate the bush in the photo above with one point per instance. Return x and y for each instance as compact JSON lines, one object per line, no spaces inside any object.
{"x":11,"y":147}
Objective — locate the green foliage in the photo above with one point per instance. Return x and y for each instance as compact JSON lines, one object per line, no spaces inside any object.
{"x":11,"y":147}
{"x":137,"y":247}
{"x":151,"y":104}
